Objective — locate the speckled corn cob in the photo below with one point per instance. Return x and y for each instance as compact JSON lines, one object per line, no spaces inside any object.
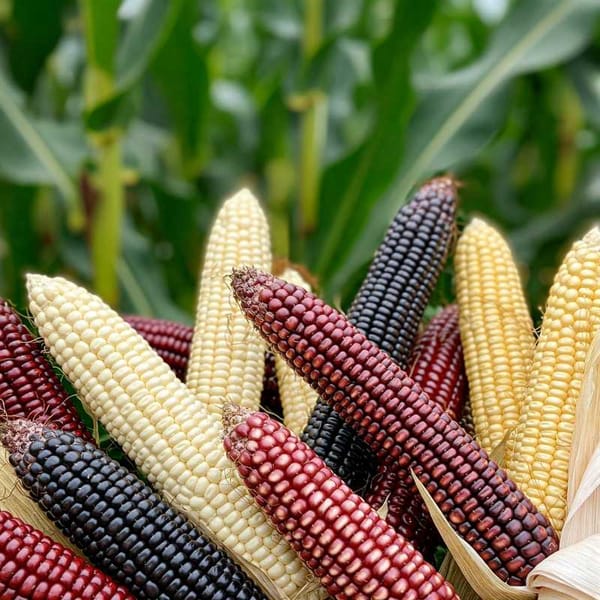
{"x":406,"y":430}
{"x":496,"y":330}
{"x":335,"y":532}
{"x":390,"y":304}
{"x":34,"y":567}
{"x":226,"y":358}
{"x":119,"y":522}
{"x":29,"y":388}
{"x":170,"y":340}
{"x":538,"y":455}
{"x":162,"y":427}
{"x":297,"y":397}
{"x":437,"y":365}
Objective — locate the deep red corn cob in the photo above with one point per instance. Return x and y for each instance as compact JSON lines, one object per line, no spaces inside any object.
{"x":29,"y":388}
{"x":336,"y":533}
{"x":437,"y":365}
{"x":389,"y":307}
{"x":170,"y":340}
{"x":34,"y":567}
{"x":400,"y":423}
{"x":119,"y":522}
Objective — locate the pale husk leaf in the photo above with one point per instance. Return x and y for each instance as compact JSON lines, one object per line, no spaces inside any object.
{"x":479,"y":576}
{"x":451,"y":572}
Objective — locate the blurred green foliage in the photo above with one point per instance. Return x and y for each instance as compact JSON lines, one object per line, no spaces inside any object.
{"x":124,"y":124}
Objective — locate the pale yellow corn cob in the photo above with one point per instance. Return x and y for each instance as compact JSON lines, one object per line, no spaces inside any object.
{"x":297,"y":397}
{"x":538,"y":457}
{"x":495,"y":328}
{"x":162,"y":427}
{"x":227,"y":355}
{"x":15,"y":500}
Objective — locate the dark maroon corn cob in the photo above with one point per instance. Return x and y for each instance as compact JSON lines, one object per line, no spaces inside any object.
{"x":269,"y":398}
{"x":119,"y":522}
{"x":34,"y":567}
{"x":400,"y":423}
{"x":466,"y":419}
{"x":170,"y":340}
{"x":390,"y":305}
{"x":437,"y":365}
{"x":336,"y":533}
{"x":29,"y":388}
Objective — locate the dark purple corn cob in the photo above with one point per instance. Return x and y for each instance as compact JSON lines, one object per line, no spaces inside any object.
{"x":34,"y":567}
{"x":389,"y":307}
{"x":336,"y":533}
{"x":400,"y":423}
{"x":437,"y":365}
{"x":269,"y":398}
{"x":29,"y":388}
{"x":170,"y":340}
{"x":119,"y":522}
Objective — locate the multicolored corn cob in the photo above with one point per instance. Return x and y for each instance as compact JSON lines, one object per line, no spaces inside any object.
{"x":390,"y":304}
{"x":496,"y":330}
{"x":400,"y":423}
{"x":162,"y":427}
{"x":337,"y":534}
{"x":538,"y":453}
{"x":227,"y":357}
{"x":34,"y":567}
{"x":297,"y":397}
{"x":170,"y":340}
{"x":123,"y":527}
{"x":29,"y":388}
{"x":437,"y":365}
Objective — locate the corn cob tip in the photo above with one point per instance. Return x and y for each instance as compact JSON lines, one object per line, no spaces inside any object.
{"x":593,"y":235}
{"x":444,"y":184}
{"x":249,"y":286}
{"x":15,"y":435}
{"x":232,"y":415}
{"x":243,"y":195}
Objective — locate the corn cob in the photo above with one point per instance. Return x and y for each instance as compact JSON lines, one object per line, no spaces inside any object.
{"x":336,"y":533}
{"x":436,"y":364}
{"x":119,"y":522}
{"x":269,"y":397}
{"x":226,"y":357}
{"x":170,"y":340}
{"x":161,"y":426}
{"x":390,"y":304}
{"x":538,"y":456}
{"x":400,"y":423}
{"x":15,"y":500}
{"x":34,"y":567}
{"x":466,"y":419}
{"x":29,"y":388}
{"x":496,"y":330}
{"x":297,"y":397}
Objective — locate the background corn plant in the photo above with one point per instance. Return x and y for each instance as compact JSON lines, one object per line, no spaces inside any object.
{"x":123,"y":124}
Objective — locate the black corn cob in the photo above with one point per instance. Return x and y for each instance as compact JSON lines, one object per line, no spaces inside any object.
{"x":170,"y":340}
{"x":388,"y":309}
{"x":119,"y":522}
{"x":29,"y":387}
{"x":269,"y":398}
{"x":400,"y":423}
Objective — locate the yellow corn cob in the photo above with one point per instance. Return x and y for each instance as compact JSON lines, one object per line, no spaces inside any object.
{"x":18,"y":503}
{"x":227,"y":355}
{"x":495,"y":328}
{"x":162,"y":427}
{"x":538,"y":457}
{"x":297,"y":397}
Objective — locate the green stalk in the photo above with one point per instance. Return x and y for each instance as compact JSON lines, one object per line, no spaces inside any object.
{"x":101,"y":33}
{"x":313,"y":123}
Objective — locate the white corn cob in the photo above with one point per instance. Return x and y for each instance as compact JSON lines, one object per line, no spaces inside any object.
{"x":297,"y":397}
{"x":15,"y":500}
{"x":227,"y":355}
{"x":161,"y":426}
{"x":538,"y":456}
{"x":495,"y":328}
